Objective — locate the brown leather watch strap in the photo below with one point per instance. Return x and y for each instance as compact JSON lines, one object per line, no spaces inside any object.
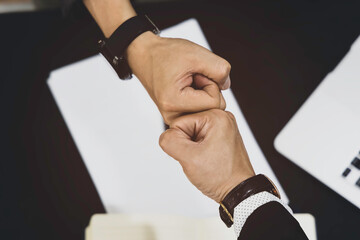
{"x":245,"y":189}
{"x":114,"y":48}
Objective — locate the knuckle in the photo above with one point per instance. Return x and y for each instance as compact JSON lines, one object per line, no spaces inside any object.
{"x":222,"y":118}
{"x":230,"y":115}
{"x":163,"y":140}
{"x":216,"y":114}
{"x":224,"y":67}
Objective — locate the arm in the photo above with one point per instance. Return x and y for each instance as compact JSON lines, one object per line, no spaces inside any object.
{"x":180,"y":76}
{"x":271,"y":221}
{"x":209,"y":147}
{"x":110,"y":14}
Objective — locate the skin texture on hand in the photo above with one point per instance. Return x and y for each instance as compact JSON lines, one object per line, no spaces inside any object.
{"x":179,"y":75}
{"x":210,"y":150}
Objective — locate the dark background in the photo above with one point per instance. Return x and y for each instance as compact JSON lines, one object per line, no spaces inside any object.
{"x":279,"y":51}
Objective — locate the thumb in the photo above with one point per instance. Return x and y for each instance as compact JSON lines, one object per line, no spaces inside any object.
{"x":174,"y":142}
{"x":213,"y":67}
{"x":204,"y":94}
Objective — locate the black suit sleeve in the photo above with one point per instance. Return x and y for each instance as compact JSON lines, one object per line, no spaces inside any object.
{"x":271,"y":221}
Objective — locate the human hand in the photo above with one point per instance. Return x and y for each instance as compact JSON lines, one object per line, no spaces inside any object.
{"x":180,"y":76}
{"x":210,"y":149}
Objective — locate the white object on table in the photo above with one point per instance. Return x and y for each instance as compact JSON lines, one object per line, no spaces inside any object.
{"x":323,"y":135}
{"x":164,"y":227}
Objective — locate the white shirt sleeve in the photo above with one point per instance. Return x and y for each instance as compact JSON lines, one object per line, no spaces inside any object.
{"x":249,"y":205}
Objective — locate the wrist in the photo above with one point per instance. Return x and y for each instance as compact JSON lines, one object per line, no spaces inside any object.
{"x":241,"y":192}
{"x":140,"y":51}
{"x":110,"y":14}
{"x":232,"y":183}
{"x":139,"y":32}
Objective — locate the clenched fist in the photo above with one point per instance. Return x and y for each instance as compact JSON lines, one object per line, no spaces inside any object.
{"x":180,"y":76}
{"x":209,"y":147}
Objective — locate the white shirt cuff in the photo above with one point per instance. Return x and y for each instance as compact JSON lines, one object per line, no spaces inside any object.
{"x":249,"y":205}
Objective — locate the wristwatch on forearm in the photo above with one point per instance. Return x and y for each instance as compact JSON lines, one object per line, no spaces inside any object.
{"x":114,"y":48}
{"x":245,"y":189}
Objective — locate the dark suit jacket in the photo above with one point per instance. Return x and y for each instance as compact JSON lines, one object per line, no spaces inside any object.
{"x":271,"y":221}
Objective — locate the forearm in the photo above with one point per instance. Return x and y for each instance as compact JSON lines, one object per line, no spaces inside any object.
{"x":110,"y":14}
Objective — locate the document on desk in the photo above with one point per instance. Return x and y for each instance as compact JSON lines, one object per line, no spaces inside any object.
{"x":116,"y":128}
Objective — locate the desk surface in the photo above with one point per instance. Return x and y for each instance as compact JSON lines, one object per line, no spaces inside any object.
{"x":279,"y":51}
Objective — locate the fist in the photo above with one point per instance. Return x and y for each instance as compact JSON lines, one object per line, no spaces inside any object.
{"x":210,"y":150}
{"x":180,"y":76}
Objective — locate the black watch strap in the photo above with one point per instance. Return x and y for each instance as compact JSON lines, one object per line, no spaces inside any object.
{"x":245,"y":189}
{"x":113,"y":48}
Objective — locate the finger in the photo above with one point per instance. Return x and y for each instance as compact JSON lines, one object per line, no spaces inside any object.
{"x":203,"y":96}
{"x":193,"y":125}
{"x":213,"y":67}
{"x":201,"y":81}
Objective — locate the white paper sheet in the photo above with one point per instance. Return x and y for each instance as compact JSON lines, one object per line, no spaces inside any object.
{"x":116,"y":127}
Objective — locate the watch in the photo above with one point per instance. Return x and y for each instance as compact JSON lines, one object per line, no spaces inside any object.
{"x":245,"y":189}
{"x":114,"y":48}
